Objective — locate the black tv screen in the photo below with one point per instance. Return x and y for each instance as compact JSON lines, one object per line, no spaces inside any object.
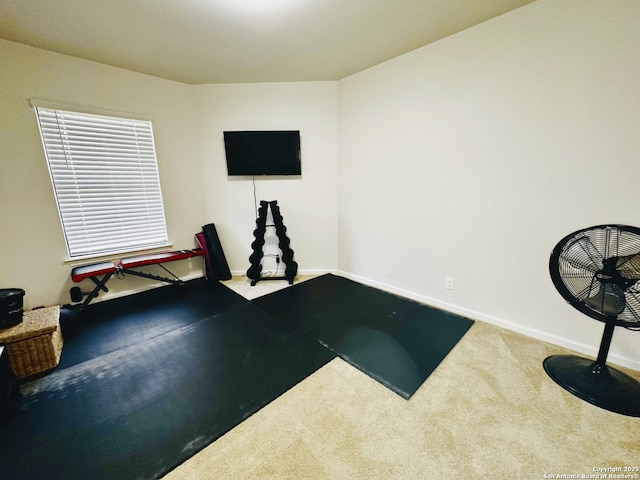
{"x":275,"y":152}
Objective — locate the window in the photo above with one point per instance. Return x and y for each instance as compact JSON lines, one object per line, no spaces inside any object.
{"x":105,"y":178}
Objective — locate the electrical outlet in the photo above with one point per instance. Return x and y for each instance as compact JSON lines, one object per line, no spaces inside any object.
{"x":450,"y":283}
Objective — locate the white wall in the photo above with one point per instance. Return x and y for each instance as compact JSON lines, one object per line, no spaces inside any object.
{"x":472,"y":157}
{"x":32,"y":249}
{"x":308,"y":203}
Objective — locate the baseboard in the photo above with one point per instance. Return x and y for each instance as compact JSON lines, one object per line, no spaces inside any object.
{"x":589,"y":350}
{"x":242,"y":273}
{"x":113,"y":294}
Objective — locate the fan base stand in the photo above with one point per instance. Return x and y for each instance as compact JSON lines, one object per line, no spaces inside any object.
{"x":598,"y":384}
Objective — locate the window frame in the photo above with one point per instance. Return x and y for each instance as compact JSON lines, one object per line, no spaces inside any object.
{"x":105,"y":177}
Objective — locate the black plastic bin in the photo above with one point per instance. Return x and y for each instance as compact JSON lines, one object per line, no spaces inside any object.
{"x":11,"y":300}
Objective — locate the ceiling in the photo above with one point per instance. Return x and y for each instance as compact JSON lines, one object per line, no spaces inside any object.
{"x":240,"y":41}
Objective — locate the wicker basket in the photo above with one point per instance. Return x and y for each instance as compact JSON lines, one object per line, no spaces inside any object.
{"x":35,"y":345}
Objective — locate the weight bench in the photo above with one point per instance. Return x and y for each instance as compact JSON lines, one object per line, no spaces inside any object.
{"x":101,"y":273}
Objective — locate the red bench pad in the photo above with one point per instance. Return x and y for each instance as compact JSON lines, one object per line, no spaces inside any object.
{"x":155,"y":258}
{"x":87,"y":271}
{"x":80,"y":273}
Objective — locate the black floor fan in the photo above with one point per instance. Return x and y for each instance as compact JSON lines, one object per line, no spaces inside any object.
{"x":597,"y":270}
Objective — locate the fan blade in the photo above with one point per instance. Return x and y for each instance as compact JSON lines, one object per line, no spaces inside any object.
{"x":609,"y":300}
{"x":582,"y":254}
{"x":629,"y":266}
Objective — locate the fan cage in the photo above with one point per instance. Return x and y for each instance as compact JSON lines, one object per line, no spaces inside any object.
{"x":597,"y":270}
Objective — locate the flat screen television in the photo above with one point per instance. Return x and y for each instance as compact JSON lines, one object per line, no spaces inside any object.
{"x":274,"y":152}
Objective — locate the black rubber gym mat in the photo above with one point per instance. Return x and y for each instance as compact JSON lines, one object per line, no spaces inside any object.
{"x":394,"y":340}
{"x":138,"y":410}
{"x":106,"y":326}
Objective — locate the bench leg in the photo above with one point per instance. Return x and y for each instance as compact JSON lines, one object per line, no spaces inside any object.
{"x":101,"y":285}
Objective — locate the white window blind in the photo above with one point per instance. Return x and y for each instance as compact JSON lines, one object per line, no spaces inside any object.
{"x":105,"y":177}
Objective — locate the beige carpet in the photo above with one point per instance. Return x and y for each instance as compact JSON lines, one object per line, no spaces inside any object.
{"x":488,"y":411}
